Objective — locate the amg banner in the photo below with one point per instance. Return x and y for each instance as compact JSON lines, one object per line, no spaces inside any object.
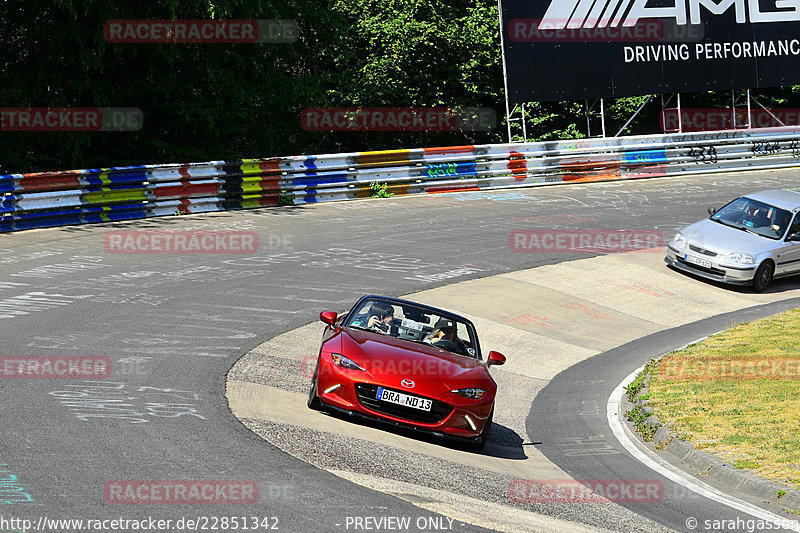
{"x":575,"y":49}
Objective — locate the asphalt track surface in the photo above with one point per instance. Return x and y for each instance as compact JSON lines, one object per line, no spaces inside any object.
{"x":560,"y":412}
{"x":173,"y":326}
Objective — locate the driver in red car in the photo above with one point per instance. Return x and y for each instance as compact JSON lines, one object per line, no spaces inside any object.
{"x":445,"y":336}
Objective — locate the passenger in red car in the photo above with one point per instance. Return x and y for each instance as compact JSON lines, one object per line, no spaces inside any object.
{"x":381,"y":317}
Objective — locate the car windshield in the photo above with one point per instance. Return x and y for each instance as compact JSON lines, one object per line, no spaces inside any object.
{"x":415,"y":323}
{"x":754,"y":216}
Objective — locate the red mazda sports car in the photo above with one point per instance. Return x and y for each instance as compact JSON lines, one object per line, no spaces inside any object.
{"x":408,"y":364}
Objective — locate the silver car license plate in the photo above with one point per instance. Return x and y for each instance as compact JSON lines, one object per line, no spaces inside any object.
{"x":697,"y":261}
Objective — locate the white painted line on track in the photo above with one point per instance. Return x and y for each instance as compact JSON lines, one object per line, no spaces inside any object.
{"x":654,"y":462}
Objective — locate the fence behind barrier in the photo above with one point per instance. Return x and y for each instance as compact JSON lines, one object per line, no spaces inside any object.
{"x":121,"y":193}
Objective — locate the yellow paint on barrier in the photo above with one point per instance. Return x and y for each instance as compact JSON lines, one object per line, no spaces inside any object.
{"x":373,"y":159}
{"x":251,"y":166}
{"x":251,"y":186}
{"x":106,"y":195}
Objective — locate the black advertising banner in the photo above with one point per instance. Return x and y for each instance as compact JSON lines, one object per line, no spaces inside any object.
{"x":575,"y":49}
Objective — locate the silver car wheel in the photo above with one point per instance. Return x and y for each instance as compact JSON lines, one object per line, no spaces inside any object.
{"x":763,"y":276}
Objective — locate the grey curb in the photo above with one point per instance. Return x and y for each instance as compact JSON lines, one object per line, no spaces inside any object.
{"x":704,"y":464}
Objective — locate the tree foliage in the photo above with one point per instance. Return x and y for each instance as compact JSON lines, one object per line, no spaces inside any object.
{"x":220,"y":101}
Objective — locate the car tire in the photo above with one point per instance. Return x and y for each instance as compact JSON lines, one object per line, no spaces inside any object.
{"x":763,"y":276}
{"x":313,"y":401}
{"x":479,"y":443}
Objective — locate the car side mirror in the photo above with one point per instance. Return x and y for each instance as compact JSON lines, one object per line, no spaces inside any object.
{"x":329,"y":317}
{"x":712,"y":210}
{"x":795,"y":237}
{"x":495,"y":358}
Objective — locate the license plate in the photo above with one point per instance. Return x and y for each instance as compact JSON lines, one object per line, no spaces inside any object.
{"x":404,"y":399}
{"x":697,"y":261}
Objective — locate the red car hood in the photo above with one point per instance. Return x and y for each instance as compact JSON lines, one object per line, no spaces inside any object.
{"x":388,"y":359}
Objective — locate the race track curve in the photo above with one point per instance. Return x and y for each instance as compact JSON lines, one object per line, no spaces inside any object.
{"x":173,"y":325}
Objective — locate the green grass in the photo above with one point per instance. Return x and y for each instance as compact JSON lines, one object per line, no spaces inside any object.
{"x":737,"y":395}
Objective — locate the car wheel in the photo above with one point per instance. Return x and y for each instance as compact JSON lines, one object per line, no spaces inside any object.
{"x":479,"y":443}
{"x":763,"y":276}
{"x":313,"y":401}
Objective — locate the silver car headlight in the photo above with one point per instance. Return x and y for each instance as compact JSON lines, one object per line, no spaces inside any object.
{"x":679,"y":241}
{"x":739,"y":258}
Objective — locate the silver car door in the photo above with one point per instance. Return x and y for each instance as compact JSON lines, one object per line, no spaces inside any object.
{"x":788,"y":260}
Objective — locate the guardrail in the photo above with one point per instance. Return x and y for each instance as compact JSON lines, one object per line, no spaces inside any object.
{"x":121,"y":193}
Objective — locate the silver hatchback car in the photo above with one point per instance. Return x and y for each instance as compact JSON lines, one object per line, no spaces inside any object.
{"x":753,"y":239}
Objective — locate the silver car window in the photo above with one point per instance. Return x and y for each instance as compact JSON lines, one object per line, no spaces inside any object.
{"x":758,"y":217}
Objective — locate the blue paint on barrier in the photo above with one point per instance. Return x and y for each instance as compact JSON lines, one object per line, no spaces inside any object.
{"x":132,"y":176}
{"x":310,"y":162}
{"x":313,"y":180}
{"x":310,"y":196}
{"x":7,"y":203}
{"x":646,"y":156}
{"x":7,"y":183}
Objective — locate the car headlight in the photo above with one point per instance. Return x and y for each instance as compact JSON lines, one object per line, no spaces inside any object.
{"x":344,"y":362}
{"x":679,"y":241}
{"x":472,"y":393}
{"x":738,"y":257}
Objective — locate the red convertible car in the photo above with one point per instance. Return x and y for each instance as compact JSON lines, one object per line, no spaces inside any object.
{"x":408,"y":364}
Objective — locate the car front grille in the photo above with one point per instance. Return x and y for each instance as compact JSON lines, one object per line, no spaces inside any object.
{"x":703,"y":251}
{"x":711,"y":270}
{"x":367,"y":397}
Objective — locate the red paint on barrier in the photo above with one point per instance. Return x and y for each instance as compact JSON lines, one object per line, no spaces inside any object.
{"x":443,"y":150}
{"x":50,"y":182}
{"x":270,"y":184}
{"x":271,"y":166}
{"x":185,"y":189}
{"x":518,"y":166}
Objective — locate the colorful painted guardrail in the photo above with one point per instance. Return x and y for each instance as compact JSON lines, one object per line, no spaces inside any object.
{"x":120,"y":193}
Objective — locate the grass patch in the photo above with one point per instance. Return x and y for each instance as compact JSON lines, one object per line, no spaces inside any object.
{"x":737,"y":395}
{"x":645,"y":430}
{"x":380,"y":190}
{"x":638,"y":383}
